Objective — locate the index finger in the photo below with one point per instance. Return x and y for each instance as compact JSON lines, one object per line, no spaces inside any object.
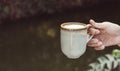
{"x":96,"y":25}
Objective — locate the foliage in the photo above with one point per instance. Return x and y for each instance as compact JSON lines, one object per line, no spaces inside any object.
{"x":107,"y":62}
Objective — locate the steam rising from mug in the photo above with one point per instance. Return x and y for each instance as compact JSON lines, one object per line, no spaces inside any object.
{"x":74,"y":38}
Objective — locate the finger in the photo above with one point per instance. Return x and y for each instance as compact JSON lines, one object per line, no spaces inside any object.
{"x":94,"y":31}
{"x":96,"y":25}
{"x":98,"y":44}
{"x":100,"y":47}
{"x":92,"y":21}
{"x":93,"y":41}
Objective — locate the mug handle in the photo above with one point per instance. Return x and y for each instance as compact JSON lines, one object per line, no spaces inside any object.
{"x":89,"y":35}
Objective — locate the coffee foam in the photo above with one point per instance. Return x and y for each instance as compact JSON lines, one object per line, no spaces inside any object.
{"x":73,"y":26}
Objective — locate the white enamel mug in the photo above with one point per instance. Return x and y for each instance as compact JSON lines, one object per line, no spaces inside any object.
{"x":74,"y":37}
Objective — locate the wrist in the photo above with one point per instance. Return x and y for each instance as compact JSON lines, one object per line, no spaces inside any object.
{"x":119,"y":38}
{"x":118,"y":41}
{"x":118,"y":44}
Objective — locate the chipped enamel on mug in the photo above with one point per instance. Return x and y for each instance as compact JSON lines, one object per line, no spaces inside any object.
{"x":74,"y":37}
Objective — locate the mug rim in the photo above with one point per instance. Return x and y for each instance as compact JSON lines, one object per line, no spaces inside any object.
{"x":69,"y":23}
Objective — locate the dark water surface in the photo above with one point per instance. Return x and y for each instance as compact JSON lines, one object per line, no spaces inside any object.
{"x":34,"y":44}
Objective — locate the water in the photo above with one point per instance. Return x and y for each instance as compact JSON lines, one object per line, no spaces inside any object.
{"x":34,"y":44}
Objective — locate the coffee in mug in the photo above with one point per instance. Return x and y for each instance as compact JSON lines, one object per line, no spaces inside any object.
{"x":74,"y":37}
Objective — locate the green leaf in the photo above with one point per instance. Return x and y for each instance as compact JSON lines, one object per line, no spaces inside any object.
{"x":107,"y":62}
{"x":115,"y":64}
{"x":116,"y":53}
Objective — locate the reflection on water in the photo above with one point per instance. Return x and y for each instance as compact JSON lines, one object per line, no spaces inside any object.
{"x":34,"y":45}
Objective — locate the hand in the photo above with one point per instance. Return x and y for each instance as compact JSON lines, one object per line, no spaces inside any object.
{"x":105,"y":34}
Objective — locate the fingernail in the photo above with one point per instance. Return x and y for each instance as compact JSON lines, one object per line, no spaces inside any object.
{"x":100,"y":48}
{"x":91,"y":20}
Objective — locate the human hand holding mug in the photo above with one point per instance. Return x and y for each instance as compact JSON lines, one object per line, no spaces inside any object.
{"x":105,"y":34}
{"x":74,"y":38}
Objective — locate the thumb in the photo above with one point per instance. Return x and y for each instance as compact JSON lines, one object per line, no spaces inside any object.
{"x":96,"y":25}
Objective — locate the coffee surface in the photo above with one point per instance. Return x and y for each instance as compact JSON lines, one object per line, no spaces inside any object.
{"x":74,"y":26}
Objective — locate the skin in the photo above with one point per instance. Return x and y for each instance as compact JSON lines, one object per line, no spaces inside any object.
{"x":105,"y":34}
